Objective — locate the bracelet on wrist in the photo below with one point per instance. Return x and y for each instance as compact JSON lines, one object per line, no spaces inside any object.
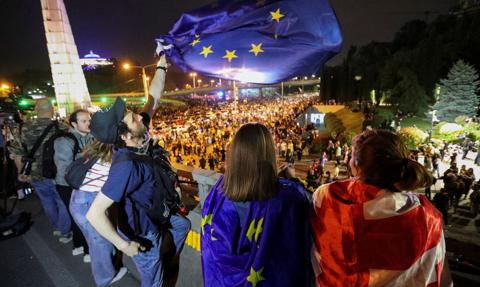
{"x":162,"y":68}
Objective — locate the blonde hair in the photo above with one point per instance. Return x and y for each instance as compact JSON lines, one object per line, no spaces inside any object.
{"x":97,"y":150}
{"x":251,"y":168}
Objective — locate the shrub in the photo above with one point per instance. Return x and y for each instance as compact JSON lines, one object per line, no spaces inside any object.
{"x":412,"y":137}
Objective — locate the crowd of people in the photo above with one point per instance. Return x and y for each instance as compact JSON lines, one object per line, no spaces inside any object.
{"x":198,"y":134}
{"x":259,"y":222}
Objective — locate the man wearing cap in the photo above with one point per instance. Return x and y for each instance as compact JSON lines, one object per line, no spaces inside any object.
{"x":130,"y":182}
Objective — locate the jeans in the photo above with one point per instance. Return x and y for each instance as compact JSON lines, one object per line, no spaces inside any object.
{"x":101,"y":250}
{"x":149,"y":263}
{"x":79,"y":240}
{"x":179,"y":229}
{"x":53,"y":205}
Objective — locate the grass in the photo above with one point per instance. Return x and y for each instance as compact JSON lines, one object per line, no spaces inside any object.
{"x":421,"y":123}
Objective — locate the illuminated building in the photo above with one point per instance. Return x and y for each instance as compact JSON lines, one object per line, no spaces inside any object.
{"x":92,"y":61}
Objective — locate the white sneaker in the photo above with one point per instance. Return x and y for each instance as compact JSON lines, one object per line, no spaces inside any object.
{"x":57,"y":233}
{"x":77,"y":251}
{"x":119,"y":275}
{"x":66,"y":238}
{"x":86,"y":257}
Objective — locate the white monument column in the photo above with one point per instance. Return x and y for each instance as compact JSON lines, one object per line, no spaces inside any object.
{"x":70,"y":85}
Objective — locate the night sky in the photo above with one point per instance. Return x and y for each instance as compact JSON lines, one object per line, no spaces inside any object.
{"x":127,"y":28}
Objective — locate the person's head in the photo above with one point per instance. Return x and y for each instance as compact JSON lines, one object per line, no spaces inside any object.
{"x":80,"y":121}
{"x":44,"y":109}
{"x":380,"y":158}
{"x":98,"y":150}
{"x":131,"y":130}
{"x":251,"y":168}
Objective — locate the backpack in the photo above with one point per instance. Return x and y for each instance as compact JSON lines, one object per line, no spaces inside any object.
{"x":49,"y":169}
{"x":166,"y":198}
{"x":77,"y":170}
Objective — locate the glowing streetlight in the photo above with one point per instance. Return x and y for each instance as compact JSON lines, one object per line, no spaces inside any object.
{"x":145,"y":79}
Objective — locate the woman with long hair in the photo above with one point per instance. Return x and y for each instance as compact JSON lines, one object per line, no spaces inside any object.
{"x":255,"y":224}
{"x":102,"y":252}
{"x":368,"y":230}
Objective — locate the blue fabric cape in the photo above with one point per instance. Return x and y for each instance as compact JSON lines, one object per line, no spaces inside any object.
{"x":272,"y":248}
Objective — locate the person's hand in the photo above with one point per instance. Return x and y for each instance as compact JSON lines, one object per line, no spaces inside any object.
{"x":132,"y":248}
{"x":24,"y":178}
{"x":286,"y":170}
{"x":162,"y":61}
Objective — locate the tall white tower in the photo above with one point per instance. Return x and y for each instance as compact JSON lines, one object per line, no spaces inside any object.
{"x":70,"y":85}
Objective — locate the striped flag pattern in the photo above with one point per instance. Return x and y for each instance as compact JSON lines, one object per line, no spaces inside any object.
{"x":365,"y":236}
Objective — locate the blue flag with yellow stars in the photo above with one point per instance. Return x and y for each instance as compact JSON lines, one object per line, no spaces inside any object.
{"x":256,"y":41}
{"x":257,"y":243}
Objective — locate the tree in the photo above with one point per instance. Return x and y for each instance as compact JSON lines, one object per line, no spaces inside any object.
{"x":457,"y":93}
{"x":408,"y":95}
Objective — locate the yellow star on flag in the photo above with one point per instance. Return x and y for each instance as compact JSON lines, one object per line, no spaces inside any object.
{"x":254,"y":230}
{"x":277,"y":15}
{"x":256,"y":49}
{"x":195,"y":42}
{"x":206,"y":51}
{"x":259,"y":229}
{"x":255,"y":276}
{"x":230,"y":55}
{"x":207,"y":219}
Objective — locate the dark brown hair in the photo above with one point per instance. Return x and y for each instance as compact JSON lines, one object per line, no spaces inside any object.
{"x":98,"y":150}
{"x":251,"y":168}
{"x":382,"y":159}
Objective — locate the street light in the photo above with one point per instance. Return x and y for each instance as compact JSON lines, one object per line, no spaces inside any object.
{"x":193,"y":75}
{"x":199,"y":81}
{"x":145,"y":79}
{"x":211,"y":83}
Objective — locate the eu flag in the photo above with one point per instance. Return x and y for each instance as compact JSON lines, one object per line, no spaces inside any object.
{"x":256,"y":41}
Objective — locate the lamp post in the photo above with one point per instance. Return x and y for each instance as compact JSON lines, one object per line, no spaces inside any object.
{"x":357,"y":79}
{"x":144,"y":76}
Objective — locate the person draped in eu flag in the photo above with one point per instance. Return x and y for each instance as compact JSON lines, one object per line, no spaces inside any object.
{"x":368,"y":231}
{"x":254,"y":228}
{"x":256,"y":41}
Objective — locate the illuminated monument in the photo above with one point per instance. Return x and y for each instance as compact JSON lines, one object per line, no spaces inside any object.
{"x":70,"y":85}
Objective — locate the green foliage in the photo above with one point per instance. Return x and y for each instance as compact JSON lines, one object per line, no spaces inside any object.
{"x":473,"y":131}
{"x":408,"y":95}
{"x":412,"y":137}
{"x":421,"y":123}
{"x":458,"y":92}
{"x":447,"y":137}
{"x":461,"y":120}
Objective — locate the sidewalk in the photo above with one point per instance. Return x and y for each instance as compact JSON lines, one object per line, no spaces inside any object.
{"x":37,"y":259}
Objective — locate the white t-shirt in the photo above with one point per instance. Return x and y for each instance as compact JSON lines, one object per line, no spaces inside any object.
{"x":96,"y":177}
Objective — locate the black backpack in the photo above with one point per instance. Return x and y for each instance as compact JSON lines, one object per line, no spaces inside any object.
{"x":77,"y":170}
{"x":49,"y":169}
{"x":166,"y":199}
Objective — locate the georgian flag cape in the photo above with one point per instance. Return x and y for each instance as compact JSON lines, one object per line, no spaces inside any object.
{"x":365,"y":236}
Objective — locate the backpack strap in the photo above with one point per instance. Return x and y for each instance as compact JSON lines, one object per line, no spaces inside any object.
{"x":133,"y":157}
{"x":76,"y":145}
{"x":40,"y":139}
